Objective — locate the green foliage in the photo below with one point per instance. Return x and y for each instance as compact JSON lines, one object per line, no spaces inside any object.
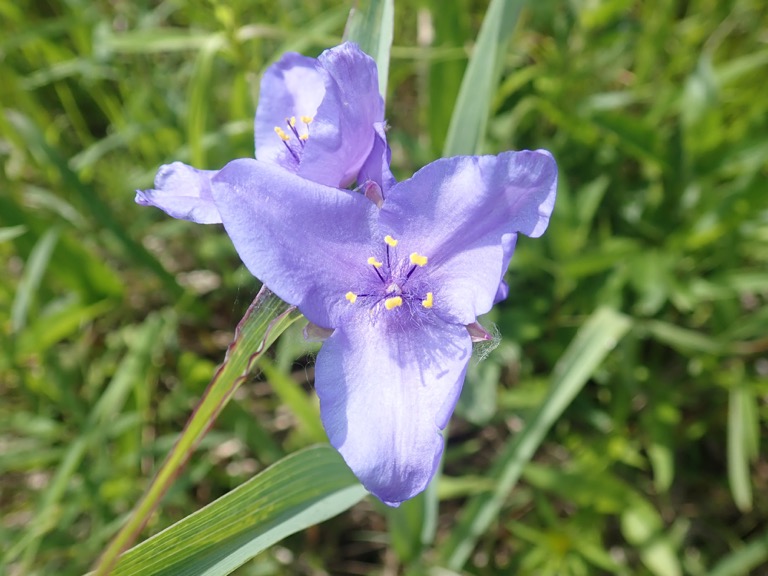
{"x":264,"y":510}
{"x":371,"y":26}
{"x":651,"y":457}
{"x":265,"y":320}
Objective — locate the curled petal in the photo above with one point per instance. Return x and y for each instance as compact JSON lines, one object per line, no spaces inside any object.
{"x":462,"y":212}
{"x":376,"y":166}
{"x":386,"y":391}
{"x":182,"y":192}
{"x":324,"y":112}
{"x":477,"y":333}
{"x":508,"y":242}
{"x":306,"y":241}
{"x":343,"y":133}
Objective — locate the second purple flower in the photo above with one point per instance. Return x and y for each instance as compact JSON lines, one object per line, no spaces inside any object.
{"x":322,"y":119}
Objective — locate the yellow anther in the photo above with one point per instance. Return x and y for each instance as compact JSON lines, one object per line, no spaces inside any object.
{"x":418,"y":259}
{"x":306,"y":119}
{"x":280,"y":132}
{"x":304,"y":137}
{"x":428,"y":301}
{"x":390,"y":241}
{"x":351,"y":296}
{"x":292,"y":121}
{"x":394,"y":302}
{"x":373,"y":262}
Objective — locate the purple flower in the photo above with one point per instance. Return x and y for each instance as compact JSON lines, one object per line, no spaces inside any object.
{"x":398,"y":288}
{"x":322,"y":119}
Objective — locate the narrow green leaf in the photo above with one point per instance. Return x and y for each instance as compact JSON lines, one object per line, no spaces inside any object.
{"x":49,"y":329}
{"x":405,"y":527}
{"x":412,"y":526}
{"x":451,"y":28}
{"x":264,"y":321}
{"x":200,"y":98}
{"x":470,"y":116}
{"x":662,"y":460}
{"x":592,"y":343}
{"x":30,"y":137}
{"x":371,"y":24}
{"x":682,"y":339}
{"x":153,"y":40}
{"x":293,"y":396}
{"x":299,"y":491}
{"x":32,"y":277}
{"x":742,"y":420}
{"x":102,"y":417}
{"x":11,"y":232}
{"x":745,"y":559}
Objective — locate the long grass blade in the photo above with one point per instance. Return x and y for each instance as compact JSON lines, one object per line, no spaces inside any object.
{"x":470,"y":116}
{"x":371,"y":24}
{"x":265,"y":320}
{"x":299,"y":491}
{"x":33,"y":276}
{"x":742,"y":424}
{"x":592,"y":343}
{"x":745,"y":559}
{"x":96,"y":428}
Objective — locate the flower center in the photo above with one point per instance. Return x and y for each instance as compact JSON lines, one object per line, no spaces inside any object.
{"x":395,"y":283}
{"x":294,"y":146}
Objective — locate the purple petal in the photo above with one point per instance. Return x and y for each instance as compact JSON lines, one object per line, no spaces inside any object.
{"x":294,"y":86}
{"x":305,"y":241}
{"x":342,"y":135}
{"x":376,"y":166}
{"x":182,"y":192}
{"x":459,"y":212}
{"x":314,"y":333}
{"x":508,"y":242}
{"x":339,"y":91}
{"x":386,"y":390}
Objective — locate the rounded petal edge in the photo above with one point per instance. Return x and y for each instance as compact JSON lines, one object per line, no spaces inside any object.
{"x":182,"y":192}
{"x":386,"y":392}
{"x":305,"y":241}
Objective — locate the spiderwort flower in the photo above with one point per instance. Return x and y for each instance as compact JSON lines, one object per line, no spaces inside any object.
{"x":398,"y":287}
{"x":322,"y":119}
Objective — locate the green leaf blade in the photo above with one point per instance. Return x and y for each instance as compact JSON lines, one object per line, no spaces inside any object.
{"x":299,"y":491}
{"x":592,"y":343}
{"x":265,"y":320}
{"x":470,"y":116}
{"x":371,"y":25}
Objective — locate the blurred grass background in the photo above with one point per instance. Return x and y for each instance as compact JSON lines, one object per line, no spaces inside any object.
{"x":114,"y":316}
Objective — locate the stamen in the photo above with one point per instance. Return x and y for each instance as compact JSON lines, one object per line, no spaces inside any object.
{"x":418,"y":259}
{"x":280,"y":132}
{"x":292,"y":125}
{"x":292,"y":151}
{"x":375,"y":263}
{"x":428,"y":301}
{"x":392,"y":303}
{"x":351,"y":296}
{"x":390,"y":241}
{"x":307,"y":121}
